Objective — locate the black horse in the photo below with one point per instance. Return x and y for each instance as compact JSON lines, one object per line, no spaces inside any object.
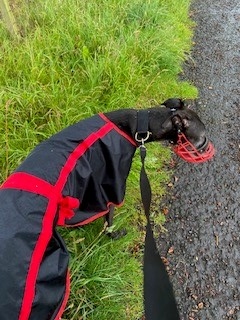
{"x":71,"y":179}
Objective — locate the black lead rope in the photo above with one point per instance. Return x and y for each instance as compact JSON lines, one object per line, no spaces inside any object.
{"x":159,"y":300}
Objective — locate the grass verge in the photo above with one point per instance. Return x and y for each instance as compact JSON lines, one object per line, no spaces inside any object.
{"x":77,"y":58}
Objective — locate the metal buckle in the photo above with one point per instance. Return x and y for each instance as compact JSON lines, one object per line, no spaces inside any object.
{"x":142,"y":139}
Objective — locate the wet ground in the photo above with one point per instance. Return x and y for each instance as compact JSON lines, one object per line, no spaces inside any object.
{"x":203,"y":240}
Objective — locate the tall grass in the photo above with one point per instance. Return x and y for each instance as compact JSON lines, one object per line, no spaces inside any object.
{"x":77,"y":58}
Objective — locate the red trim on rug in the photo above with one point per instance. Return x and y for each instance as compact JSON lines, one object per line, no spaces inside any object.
{"x":47,"y":224}
{"x":27,"y":182}
{"x":37,"y":256}
{"x":30,"y":183}
{"x":66,"y":296}
{"x":78,"y":152}
{"x":95,"y":217}
{"x":122,"y":133}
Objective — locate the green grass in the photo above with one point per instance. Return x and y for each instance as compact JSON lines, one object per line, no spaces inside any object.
{"x":77,"y":58}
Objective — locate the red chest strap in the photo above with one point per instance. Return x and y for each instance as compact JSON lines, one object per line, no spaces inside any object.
{"x":30,"y":183}
{"x":27,"y":182}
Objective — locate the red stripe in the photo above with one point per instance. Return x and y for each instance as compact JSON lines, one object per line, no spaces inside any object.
{"x":78,"y":152}
{"x":47,"y":224}
{"x":27,"y":182}
{"x":122,"y":133}
{"x":30,"y":183}
{"x":37,"y":256}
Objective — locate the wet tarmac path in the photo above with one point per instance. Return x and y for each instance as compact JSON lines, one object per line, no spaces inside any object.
{"x":203,"y":240}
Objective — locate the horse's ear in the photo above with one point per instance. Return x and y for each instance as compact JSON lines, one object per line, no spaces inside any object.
{"x":174,"y":103}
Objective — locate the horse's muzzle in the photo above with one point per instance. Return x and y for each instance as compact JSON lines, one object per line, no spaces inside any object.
{"x":187,"y":151}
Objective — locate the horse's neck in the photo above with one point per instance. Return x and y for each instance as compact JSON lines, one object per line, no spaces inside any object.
{"x":126,"y":120}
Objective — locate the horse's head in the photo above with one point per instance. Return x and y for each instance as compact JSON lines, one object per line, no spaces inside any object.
{"x":187,"y":132}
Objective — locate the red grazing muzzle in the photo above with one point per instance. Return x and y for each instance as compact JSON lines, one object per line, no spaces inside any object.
{"x":186,"y":150}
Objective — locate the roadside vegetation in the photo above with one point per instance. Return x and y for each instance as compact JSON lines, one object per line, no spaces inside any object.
{"x":73,"y":59}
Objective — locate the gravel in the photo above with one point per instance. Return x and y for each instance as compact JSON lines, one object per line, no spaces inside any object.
{"x":203,"y":200}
